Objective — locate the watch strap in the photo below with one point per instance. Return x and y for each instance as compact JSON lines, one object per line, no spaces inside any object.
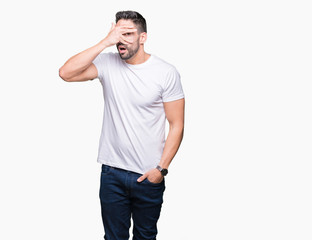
{"x":163,"y":171}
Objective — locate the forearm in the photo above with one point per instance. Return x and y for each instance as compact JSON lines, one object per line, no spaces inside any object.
{"x":172,"y":145}
{"x":81,"y":61}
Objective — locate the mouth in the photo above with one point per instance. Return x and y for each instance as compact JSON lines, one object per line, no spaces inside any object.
{"x":122,"y":49}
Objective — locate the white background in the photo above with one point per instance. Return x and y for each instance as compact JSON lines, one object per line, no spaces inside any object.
{"x":244,"y":167}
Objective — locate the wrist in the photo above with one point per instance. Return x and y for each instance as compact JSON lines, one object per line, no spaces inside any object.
{"x":163,"y":171}
{"x":103,"y":44}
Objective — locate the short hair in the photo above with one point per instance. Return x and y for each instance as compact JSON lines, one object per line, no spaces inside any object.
{"x":136,"y":17}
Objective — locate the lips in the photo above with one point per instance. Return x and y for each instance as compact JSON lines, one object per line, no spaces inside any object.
{"x":122,"y":49}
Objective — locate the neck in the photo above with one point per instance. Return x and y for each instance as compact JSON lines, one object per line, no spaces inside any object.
{"x":140,"y":57}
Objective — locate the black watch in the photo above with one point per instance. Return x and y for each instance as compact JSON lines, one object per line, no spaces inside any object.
{"x":163,"y":171}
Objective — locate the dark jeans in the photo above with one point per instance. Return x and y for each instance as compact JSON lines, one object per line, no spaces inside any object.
{"x":122,"y":197}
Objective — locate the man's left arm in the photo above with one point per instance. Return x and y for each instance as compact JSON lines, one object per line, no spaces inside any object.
{"x":175,"y":115}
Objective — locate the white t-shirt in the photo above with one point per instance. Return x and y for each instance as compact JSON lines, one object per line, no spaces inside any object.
{"x":133,"y":131}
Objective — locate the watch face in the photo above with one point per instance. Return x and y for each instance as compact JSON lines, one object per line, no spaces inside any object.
{"x":164,"y":172}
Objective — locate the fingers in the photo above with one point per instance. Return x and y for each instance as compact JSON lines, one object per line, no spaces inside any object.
{"x":140,"y":179}
{"x":118,"y":34}
{"x":128,"y":30}
{"x":124,"y":40}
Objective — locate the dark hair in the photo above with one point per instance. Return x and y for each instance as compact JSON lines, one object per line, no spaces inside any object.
{"x":136,"y":17}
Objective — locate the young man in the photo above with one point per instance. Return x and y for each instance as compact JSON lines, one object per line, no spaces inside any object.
{"x":140,"y":92}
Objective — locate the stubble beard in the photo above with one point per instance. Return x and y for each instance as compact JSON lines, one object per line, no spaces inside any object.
{"x":130,"y":51}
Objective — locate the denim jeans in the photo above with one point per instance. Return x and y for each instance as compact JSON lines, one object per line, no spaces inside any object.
{"x":122,"y":197}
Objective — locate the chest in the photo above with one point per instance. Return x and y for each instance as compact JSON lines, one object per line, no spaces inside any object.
{"x":134,"y":88}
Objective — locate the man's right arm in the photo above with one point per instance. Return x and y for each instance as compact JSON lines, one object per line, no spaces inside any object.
{"x":80,"y":66}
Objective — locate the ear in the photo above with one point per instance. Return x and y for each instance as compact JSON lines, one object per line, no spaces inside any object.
{"x":143,"y":37}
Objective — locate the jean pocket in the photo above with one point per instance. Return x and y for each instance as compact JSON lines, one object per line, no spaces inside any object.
{"x":106,"y":169}
{"x":149,"y":182}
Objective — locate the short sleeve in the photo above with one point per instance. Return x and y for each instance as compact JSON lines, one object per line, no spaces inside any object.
{"x":172,"y":88}
{"x":99,"y":63}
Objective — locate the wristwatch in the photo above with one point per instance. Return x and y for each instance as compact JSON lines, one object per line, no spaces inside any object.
{"x":163,"y":171}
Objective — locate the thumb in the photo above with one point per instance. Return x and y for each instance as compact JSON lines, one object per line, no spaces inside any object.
{"x":140,"y":179}
{"x":113,"y":25}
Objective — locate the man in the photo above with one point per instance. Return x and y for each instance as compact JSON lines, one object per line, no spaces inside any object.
{"x":140,"y":92}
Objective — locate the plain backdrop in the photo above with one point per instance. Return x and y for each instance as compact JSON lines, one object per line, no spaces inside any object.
{"x":243,"y":170}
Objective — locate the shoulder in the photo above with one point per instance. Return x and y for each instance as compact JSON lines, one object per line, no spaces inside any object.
{"x":107,"y":56}
{"x":163,"y":65}
{"x":108,"y":60}
{"x":168,"y":70}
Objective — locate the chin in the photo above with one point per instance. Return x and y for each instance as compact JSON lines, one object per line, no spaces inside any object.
{"x":125,"y":57}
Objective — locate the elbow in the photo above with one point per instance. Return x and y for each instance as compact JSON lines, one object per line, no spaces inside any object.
{"x":179,"y":133}
{"x":178,"y":128}
{"x":62,"y":75}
